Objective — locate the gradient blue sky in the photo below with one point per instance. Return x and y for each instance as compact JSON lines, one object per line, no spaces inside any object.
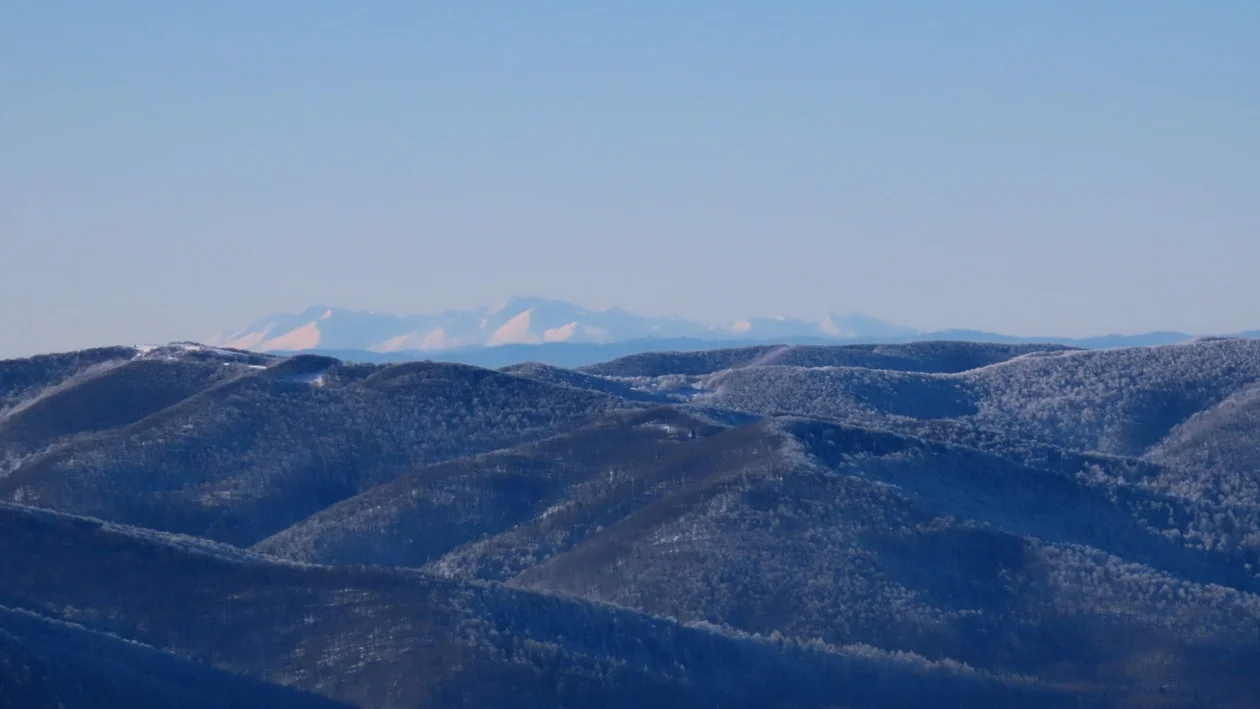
{"x":170,"y":169}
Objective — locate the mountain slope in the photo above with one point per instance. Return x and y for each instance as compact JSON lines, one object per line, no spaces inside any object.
{"x":913,"y":357}
{"x":1113,"y":401}
{"x":46,"y":663}
{"x":809,"y":529}
{"x":1213,"y":454}
{"x":112,"y":396}
{"x":393,"y":639}
{"x":259,"y":448}
{"x":23,"y":378}
{"x":581,"y":380}
{"x":420,"y":516}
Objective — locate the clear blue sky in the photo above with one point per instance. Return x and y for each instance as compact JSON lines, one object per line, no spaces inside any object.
{"x":170,"y":169}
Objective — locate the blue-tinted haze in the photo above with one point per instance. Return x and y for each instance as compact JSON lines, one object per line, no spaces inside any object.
{"x":168,"y":170}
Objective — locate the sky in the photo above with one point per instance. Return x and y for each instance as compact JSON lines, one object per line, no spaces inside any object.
{"x":170,"y":170}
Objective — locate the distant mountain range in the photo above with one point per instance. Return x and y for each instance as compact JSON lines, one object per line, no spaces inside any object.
{"x":521,"y":321}
{"x":567,"y":335}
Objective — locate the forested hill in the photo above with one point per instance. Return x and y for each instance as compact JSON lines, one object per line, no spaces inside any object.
{"x":925,"y":524}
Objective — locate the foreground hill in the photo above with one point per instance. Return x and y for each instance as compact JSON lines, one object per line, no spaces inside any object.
{"x":47,"y":663}
{"x":399,"y":639}
{"x":814,"y":530}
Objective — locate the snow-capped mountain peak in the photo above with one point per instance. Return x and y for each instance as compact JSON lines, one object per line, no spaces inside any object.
{"x":519,"y":320}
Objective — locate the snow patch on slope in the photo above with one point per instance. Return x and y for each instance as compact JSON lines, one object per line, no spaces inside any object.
{"x":415,"y":340}
{"x":302,"y":338}
{"x":560,"y":334}
{"x":242,"y":341}
{"x":514,"y":331}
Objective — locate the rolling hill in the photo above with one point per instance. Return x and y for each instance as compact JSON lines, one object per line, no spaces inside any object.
{"x":236,"y":451}
{"x":401,"y":638}
{"x":921,"y":524}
